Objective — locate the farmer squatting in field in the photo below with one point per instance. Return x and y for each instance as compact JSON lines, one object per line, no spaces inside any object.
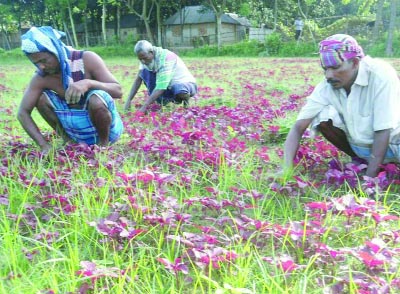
{"x":165,"y":75}
{"x":356,"y":107}
{"x":73,"y":91}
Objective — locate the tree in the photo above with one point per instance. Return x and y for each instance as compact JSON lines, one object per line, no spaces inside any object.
{"x":159,"y":4}
{"x":378,"y":21}
{"x":64,"y":9}
{"x":275,"y":14}
{"x":307,"y":3}
{"x":392,"y":24}
{"x":118,"y":5}
{"x":144,"y":14}
{"x":6,"y":21}
{"x":261,"y":13}
{"x":218,"y":6}
{"x":71,"y":19}
{"x":103,"y":20}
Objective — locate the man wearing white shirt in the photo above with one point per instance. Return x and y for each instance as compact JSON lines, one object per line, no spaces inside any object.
{"x":356,"y":107}
{"x":298,"y":25}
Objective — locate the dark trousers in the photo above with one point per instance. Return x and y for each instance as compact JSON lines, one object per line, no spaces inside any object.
{"x":298,"y":33}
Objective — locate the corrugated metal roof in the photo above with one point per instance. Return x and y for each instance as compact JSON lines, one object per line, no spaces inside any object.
{"x":200,"y":14}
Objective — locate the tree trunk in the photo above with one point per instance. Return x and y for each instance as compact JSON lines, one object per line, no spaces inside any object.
{"x":392,"y":25}
{"x":275,"y":14}
{"x":305,"y":19}
{"x":85,"y":24}
{"x":72,"y":25}
{"x":119,"y":24}
{"x":103,"y":22}
{"x":68,"y":35}
{"x":159,"y":23}
{"x":182,"y":17}
{"x":219,"y":8}
{"x":6,"y":43}
{"x":218,"y":29}
{"x":378,"y":21}
{"x":143,"y":16}
{"x":146,"y":20}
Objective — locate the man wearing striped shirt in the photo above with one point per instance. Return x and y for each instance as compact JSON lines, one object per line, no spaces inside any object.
{"x":165,"y":75}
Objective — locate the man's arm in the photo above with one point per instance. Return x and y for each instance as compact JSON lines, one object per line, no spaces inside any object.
{"x":29,"y":101}
{"x":97,"y":76}
{"x":378,"y":151}
{"x":293,"y":141}
{"x":135,"y":87}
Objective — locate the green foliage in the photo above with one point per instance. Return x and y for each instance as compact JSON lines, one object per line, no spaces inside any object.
{"x":378,"y":49}
{"x":273,"y":43}
{"x":273,"y":47}
{"x":13,"y":54}
{"x":206,"y":51}
{"x":294,"y":49}
{"x":245,"y":48}
{"x":347,"y":25}
{"x":113,"y":51}
{"x":116,"y":48}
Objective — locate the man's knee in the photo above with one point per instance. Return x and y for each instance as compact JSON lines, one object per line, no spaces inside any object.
{"x":97,"y":108}
{"x":325,"y":126}
{"x":182,"y":97}
{"x":43,"y":103}
{"x":95,"y":103}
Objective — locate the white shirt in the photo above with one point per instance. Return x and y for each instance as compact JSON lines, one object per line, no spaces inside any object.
{"x":372,"y":105}
{"x":298,"y":23}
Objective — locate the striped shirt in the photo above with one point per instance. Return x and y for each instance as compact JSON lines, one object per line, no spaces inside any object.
{"x":170,"y":69}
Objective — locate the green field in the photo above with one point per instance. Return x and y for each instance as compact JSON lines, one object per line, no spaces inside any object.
{"x":190,"y":200}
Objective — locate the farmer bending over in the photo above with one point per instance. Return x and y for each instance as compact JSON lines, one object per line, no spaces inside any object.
{"x":72,"y":91}
{"x":356,"y":107}
{"x":166,"y":77}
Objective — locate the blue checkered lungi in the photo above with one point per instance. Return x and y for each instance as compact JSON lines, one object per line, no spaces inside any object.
{"x":76,"y":122}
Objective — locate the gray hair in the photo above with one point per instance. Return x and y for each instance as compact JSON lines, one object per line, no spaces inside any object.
{"x":143,"y":46}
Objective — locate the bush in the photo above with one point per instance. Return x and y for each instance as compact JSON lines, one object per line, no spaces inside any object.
{"x":11,"y":54}
{"x":273,"y":44}
{"x":378,"y":49}
{"x":300,"y":49}
{"x":206,"y":51}
{"x":245,"y":48}
{"x":113,"y":50}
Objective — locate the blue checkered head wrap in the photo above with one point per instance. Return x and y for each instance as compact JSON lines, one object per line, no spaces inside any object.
{"x":47,"y":39}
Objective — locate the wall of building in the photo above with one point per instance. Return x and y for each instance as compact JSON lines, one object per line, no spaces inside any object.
{"x":202,"y":34}
{"x":259,"y":34}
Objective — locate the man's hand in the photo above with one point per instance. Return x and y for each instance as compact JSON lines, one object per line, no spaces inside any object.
{"x":285,"y":174}
{"x":45,"y":149}
{"x":76,"y":90}
{"x":143,"y":109}
{"x":378,"y":151}
{"x":46,"y":152}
